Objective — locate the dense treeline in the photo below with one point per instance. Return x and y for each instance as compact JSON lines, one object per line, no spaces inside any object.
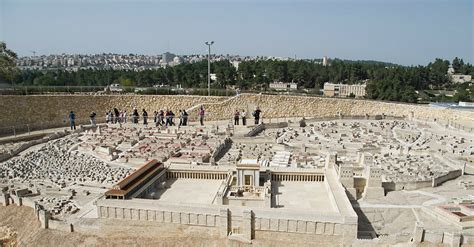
{"x":385,"y":81}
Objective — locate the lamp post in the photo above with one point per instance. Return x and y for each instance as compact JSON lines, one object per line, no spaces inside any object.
{"x":209,"y":68}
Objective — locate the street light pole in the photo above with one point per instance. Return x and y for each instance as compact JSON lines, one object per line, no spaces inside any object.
{"x":209,"y":68}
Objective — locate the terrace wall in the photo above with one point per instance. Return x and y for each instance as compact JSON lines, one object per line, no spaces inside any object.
{"x":46,"y":111}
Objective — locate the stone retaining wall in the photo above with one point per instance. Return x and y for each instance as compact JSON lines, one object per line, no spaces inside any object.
{"x":274,"y":106}
{"x":45,"y":111}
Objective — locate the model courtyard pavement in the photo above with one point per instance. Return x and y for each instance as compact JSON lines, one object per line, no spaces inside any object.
{"x":339,"y":181}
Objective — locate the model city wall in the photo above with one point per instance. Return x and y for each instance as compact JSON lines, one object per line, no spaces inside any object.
{"x":47,"y":111}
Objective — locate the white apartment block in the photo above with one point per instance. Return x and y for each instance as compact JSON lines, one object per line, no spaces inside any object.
{"x":344,"y":90}
{"x":283,"y":86}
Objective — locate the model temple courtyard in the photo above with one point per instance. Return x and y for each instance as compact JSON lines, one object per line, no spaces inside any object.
{"x":356,"y":179}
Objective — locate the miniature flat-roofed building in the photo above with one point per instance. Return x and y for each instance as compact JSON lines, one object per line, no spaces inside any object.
{"x":134,"y":181}
{"x":461,"y":215}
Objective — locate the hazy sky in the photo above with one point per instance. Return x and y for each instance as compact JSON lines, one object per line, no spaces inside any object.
{"x":404,"y":31}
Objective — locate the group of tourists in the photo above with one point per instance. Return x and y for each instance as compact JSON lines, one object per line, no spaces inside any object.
{"x":166,"y":118}
{"x":240,"y":115}
{"x":160,"y":118}
{"x":243,"y":115}
{"x":112,"y":116}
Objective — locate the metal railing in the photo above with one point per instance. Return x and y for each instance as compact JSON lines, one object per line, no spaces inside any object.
{"x":52,"y":90}
{"x":64,"y":123}
{"x":209,"y":119}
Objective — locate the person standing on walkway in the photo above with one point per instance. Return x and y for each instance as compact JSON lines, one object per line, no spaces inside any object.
{"x":135,"y":116}
{"x":167,"y":118}
{"x":92,"y":117}
{"x":185,"y":118}
{"x":171,"y":118}
{"x":160,"y":118}
{"x":145,"y":117}
{"x":116,"y":115}
{"x":256,"y":115}
{"x":201,"y":115}
{"x":110,"y":117}
{"x":236,"y":117}
{"x":243,"y":114}
{"x":121,"y":117}
{"x":125,"y":116}
{"x":72,"y":120}
{"x":180,"y":118}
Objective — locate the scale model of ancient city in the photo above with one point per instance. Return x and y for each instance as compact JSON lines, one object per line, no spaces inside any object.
{"x":313,"y":171}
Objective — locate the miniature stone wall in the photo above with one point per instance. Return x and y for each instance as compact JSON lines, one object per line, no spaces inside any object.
{"x":414,"y":185}
{"x":453,"y":239}
{"x":163,"y":215}
{"x":469,"y":169}
{"x":226,"y":222}
{"x":45,"y":111}
{"x":451,"y":175}
{"x":28,"y":144}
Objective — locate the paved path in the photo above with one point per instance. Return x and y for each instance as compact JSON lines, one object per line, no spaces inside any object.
{"x":437,"y":199}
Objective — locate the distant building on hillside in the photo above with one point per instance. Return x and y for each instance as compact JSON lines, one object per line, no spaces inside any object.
{"x":177,"y":60}
{"x":325,"y":61}
{"x":236,"y":64}
{"x":344,"y":90}
{"x":458,"y":78}
{"x":283,"y":86}
{"x":167,"y":57}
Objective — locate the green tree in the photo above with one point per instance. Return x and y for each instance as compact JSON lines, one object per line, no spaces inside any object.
{"x":457,"y":64}
{"x":8,"y":68}
{"x":461,"y":95}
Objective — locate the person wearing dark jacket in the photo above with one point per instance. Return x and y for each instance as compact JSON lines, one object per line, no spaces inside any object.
{"x":256,"y":115}
{"x":116,"y":115}
{"x":145,"y":117}
{"x":135,"y":116}
{"x":171,"y":118}
{"x":185,"y":118}
{"x":236,"y":117}
{"x":72,"y":120}
{"x":161,"y":116}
